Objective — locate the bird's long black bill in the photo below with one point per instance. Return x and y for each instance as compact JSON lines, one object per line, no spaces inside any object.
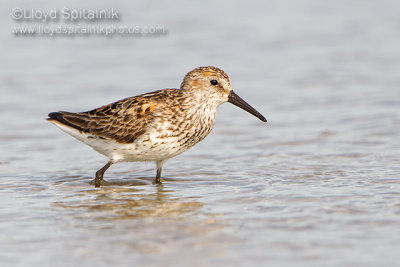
{"x":237,"y":101}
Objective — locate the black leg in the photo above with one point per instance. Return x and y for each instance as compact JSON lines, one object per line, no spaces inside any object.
{"x":159,"y":163}
{"x":100,"y":173}
{"x":158,"y":176}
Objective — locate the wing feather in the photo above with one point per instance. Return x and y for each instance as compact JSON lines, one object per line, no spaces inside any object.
{"x":124,"y":120}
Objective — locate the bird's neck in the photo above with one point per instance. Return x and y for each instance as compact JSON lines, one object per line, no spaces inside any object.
{"x":201,"y":101}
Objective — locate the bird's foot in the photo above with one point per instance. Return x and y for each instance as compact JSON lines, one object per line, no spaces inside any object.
{"x":157,"y":181}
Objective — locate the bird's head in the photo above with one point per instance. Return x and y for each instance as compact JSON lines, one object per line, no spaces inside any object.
{"x":214,"y":85}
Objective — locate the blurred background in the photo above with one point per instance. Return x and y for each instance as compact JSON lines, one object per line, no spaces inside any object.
{"x":318,"y":185}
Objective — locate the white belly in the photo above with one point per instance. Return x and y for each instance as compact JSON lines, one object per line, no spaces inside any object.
{"x":145,"y":148}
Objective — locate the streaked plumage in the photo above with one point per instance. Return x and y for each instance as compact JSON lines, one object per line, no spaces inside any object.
{"x":155,"y":126}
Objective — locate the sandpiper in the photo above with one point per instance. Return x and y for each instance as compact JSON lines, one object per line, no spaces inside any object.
{"x":155,"y":126}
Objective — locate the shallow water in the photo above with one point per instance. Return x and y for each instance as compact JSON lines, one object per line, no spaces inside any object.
{"x":318,"y":185}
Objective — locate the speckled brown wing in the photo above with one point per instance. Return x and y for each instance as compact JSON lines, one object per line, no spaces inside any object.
{"x":122,"y":121}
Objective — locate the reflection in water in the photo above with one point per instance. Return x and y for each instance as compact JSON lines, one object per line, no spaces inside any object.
{"x":135,"y":218}
{"x":127,"y":199}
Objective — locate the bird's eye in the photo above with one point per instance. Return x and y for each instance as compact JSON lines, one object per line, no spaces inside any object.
{"x":214,"y":82}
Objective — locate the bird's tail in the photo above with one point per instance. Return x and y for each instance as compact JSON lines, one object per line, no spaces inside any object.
{"x":77,"y":121}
